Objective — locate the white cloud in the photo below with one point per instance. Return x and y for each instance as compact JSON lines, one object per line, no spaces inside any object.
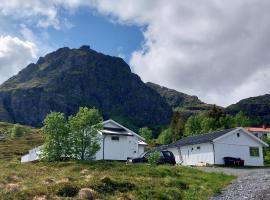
{"x":14,"y":55}
{"x":40,"y":13}
{"x":212,"y":48}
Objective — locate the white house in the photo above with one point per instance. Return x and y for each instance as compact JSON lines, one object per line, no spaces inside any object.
{"x":259,"y":131}
{"x":116,"y":143}
{"x":211,"y":148}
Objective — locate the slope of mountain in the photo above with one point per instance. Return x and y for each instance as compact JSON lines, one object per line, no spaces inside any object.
{"x":180,"y":101}
{"x":257,"y":108}
{"x":66,"y":79}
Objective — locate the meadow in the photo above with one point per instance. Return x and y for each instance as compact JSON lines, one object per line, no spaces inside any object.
{"x":104,"y":179}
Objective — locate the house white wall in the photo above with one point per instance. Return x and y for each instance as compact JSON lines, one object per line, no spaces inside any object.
{"x":127,"y":146}
{"x":33,"y":155}
{"x":233,"y":146}
{"x":141,"y":149}
{"x":193,"y":154}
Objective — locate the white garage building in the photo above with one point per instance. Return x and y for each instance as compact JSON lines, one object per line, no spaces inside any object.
{"x":116,"y":143}
{"x":211,"y":148}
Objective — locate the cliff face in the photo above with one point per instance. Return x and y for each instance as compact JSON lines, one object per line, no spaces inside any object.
{"x":66,"y":79}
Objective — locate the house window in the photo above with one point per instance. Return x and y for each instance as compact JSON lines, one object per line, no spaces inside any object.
{"x":238,"y":134}
{"x":254,"y":151}
{"x":198,"y":147}
{"x":115,"y":138}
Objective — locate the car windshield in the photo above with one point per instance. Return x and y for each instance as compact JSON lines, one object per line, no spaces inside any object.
{"x":142,"y":155}
{"x":145,"y":154}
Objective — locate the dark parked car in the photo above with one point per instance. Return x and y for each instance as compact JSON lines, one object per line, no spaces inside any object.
{"x":166,"y":157}
{"x":231,"y":161}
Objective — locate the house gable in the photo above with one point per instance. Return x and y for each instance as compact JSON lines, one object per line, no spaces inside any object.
{"x":240,"y":136}
{"x":113,"y":124}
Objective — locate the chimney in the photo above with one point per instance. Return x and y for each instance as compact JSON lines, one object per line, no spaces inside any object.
{"x":264,"y":126}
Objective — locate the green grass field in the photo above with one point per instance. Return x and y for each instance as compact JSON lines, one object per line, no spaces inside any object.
{"x":108,"y":180}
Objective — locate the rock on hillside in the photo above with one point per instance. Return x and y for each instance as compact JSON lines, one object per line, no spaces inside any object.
{"x":66,"y":79}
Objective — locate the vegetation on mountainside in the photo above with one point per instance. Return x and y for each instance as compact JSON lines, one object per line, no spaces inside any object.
{"x":107,"y":180}
{"x":75,"y":138}
{"x":256,"y":108}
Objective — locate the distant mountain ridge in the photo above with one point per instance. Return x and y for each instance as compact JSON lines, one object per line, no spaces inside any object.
{"x":180,"y":101}
{"x":67,"y":78}
{"x":257,"y":108}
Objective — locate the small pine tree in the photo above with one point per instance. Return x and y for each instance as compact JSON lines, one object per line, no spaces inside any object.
{"x":17,"y":131}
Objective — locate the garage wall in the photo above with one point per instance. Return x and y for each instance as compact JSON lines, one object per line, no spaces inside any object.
{"x":233,"y":145}
{"x":194,"y":154}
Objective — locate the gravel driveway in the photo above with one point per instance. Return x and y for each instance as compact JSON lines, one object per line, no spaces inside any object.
{"x":251,"y":184}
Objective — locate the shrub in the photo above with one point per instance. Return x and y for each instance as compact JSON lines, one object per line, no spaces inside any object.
{"x":153,"y":158}
{"x":66,"y":190}
{"x":17,"y":131}
{"x":108,"y":185}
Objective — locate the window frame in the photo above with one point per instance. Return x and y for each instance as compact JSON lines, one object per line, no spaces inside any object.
{"x":113,"y":138}
{"x":255,"y":153}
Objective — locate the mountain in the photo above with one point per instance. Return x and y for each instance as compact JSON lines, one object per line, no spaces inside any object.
{"x":180,"y":101}
{"x":257,"y":108}
{"x":66,"y":79}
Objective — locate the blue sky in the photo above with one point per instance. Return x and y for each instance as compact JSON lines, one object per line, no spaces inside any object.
{"x":101,"y":34}
{"x":216,"y":50}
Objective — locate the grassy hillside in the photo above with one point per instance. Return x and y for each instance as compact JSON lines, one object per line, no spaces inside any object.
{"x":14,"y":148}
{"x":107,"y":180}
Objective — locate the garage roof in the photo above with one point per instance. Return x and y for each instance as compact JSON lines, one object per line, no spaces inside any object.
{"x":198,"y":139}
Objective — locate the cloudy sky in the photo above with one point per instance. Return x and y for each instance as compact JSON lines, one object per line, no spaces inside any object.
{"x":215,"y":49}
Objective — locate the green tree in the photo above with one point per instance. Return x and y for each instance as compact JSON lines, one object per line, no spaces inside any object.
{"x":227,"y":121}
{"x":193,"y":125}
{"x":17,"y":131}
{"x":85,"y":126}
{"x":57,"y":137}
{"x":146,"y":133}
{"x":241,"y":120}
{"x":177,"y":125}
{"x":209,"y":124}
{"x":165,"y":137}
{"x":215,"y":113}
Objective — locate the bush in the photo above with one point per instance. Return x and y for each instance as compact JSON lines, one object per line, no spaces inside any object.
{"x":108,"y":185}
{"x":153,"y":158}
{"x":66,"y":190}
{"x":17,"y":131}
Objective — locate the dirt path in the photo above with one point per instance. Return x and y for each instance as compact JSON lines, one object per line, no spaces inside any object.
{"x":252,"y":184}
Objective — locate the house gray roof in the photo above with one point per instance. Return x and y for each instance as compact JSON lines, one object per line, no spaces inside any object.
{"x":198,"y":139}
